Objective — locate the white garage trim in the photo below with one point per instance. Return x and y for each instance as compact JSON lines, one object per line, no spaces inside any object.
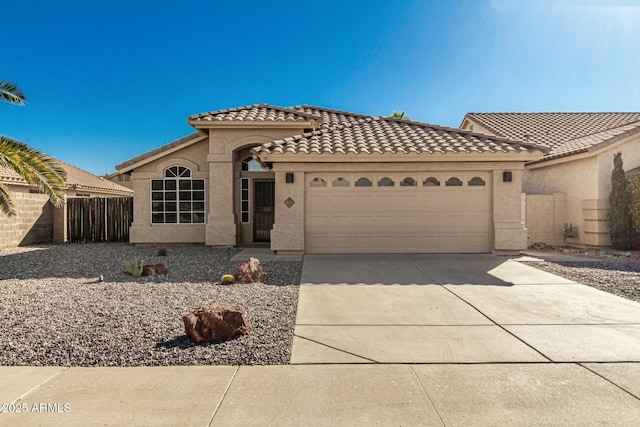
{"x":341,"y":217}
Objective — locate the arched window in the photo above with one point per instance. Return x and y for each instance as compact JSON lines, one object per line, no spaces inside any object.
{"x":177,"y":199}
{"x":386,"y":182}
{"x":453,"y":182}
{"x":363,"y":182}
{"x":249,"y":164}
{"x":340,"y":182}
{"x":408,"y":182}
{"x":431,"y":182}
{"x":476,"y":181}
{"x":317,"y":182}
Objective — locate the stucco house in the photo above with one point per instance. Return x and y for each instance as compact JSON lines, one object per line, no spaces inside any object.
{"x":317,"y":180}
{"x":571,"y":183}
{"x":37,"y":220}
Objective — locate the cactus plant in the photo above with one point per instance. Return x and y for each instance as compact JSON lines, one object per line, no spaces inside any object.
{"x":133,"y":267}
{"x":227,"y":279}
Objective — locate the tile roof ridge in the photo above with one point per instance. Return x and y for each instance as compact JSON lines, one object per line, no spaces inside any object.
{"x":331,"y":110}
{"x":248,"y":107}
{"x":320,"y":131}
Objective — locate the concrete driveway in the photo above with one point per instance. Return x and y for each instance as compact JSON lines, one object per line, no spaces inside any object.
{"x":421,"y":308}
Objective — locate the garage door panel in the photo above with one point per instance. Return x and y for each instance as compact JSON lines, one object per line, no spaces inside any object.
{"x":398,"y":219}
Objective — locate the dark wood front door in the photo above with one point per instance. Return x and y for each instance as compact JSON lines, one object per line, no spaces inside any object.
{"x":264,"y":196}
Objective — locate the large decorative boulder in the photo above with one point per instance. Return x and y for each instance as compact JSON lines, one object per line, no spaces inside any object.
{"x":215,"y":323}
{"x":251,"y":271}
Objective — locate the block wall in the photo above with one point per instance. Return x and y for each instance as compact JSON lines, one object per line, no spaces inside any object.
{"x":33,"y":222}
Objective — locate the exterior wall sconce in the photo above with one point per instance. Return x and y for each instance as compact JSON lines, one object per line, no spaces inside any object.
{"x":506,"y":176}
{"x":289,"y":177}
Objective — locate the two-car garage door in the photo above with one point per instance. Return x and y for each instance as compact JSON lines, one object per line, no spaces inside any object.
{"x":398,"y":212}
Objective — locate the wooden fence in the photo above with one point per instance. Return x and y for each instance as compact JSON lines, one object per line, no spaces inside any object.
{"x":97,"y":219}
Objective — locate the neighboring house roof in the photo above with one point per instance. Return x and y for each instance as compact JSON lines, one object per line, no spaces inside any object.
{"x":77,"y":179}
{"x":564,"y":133}
{"x":388,"y":135}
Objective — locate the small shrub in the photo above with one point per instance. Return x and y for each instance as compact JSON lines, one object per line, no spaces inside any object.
{"x":162,"y":252}
{"x":133,"y":267}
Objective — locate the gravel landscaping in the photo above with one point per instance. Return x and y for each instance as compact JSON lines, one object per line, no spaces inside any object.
{"x":54,"y":310}
{"x":608,"y":271}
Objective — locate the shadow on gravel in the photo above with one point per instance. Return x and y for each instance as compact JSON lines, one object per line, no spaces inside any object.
{"x":183,"y":342}
{"x":610,"y":265}
{"x":89,"y":261}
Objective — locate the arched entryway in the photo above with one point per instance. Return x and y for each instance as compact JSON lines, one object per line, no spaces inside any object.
{"x":254,"y":199}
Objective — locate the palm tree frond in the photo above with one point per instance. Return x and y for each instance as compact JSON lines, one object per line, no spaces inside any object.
{"x":6,"y":203}
{"x":11,"y":93}
{"x":34,"y":167}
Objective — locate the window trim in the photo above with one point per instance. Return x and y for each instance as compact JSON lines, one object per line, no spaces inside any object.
{"x":183,"y":174}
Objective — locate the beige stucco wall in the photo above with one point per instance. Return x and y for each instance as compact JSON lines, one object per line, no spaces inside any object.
{"x":142,"y":230}
{"x":545,"y":219}
{"x":586,"y":180}
{"x":578,"y":180}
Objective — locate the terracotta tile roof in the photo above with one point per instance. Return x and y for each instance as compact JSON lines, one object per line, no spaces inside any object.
{"x":388,"y":135}
{"x":329,"y":116}
{"x":564,"y":133}
{"x":159,"y":150}
{"x":77,"y":179}
{"x":254,"y":113}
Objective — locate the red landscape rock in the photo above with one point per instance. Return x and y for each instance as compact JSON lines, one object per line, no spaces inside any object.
{"x":251,"y":271}
{"x":215,"y":323}
{"x":151,"y":269}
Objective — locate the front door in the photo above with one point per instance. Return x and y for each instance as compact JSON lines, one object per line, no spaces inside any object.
{"x":263,"y":209}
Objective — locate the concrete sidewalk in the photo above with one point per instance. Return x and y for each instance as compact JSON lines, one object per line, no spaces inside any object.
{"x":328,"y":395}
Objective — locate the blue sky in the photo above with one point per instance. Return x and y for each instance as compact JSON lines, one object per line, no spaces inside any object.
{"x":108,"y":80}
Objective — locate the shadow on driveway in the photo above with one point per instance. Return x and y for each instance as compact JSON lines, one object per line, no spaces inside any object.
{"x":404,"y":269}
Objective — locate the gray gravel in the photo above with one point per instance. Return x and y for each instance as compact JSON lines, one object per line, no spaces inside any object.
{"x":616,"y":275}
{"x":54,"y":311}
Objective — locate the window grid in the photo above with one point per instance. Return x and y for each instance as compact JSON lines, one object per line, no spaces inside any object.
{"x":177,"y":199}
{"x":244,"y":201}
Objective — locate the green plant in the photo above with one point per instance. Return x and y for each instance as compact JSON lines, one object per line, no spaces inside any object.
{"x":621,"y":202}
{"x":133,"y":267}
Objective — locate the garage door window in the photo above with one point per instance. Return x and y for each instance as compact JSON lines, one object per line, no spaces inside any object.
{"x":408,"y":182}
{"x":431,"y":182}
{"x":476,"y":181}
{"x":453,"y":182}
{"x":386,"y":182}
{"x":363,"y":182}
{"x":317,"y":182}
{"x":340,"y":182}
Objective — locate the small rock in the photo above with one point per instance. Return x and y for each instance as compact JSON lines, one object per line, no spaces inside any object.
{"x":251,"y":271}
{"x":153,"y":269}
{"x":215,"y":323}
{"x":162,"y":252}
{"x":627,"y":254}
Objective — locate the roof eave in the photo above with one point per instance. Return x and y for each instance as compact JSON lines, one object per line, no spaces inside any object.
{"x":128,"y":165}
{"x":397,"y":158}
